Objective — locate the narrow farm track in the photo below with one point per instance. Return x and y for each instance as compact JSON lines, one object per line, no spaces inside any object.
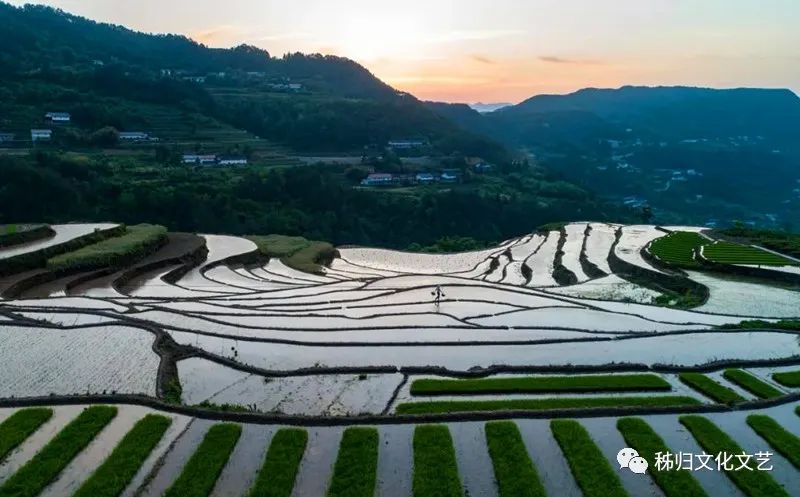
{"x":234,"y":336}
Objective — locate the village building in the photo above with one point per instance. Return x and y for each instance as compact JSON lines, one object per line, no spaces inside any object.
{"x":406,"y":144}
{"x":450,"y":176}
{"x":133,"y":136}
{"x":377,"y":179}
{"x":41,"y":135}
{"x":58,"y":117}
{"x":425,"y":178}
{"x":202,"y":160}
{"x":232,"y":160}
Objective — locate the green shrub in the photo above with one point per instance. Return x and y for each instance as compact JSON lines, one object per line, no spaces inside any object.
{"x":715,"y":441}
{"x":640,"y":436}
{"x":435,"y":468}
{"x":785,"y":443}
{"x":48,"y":463}
{"x":137,"y":243}
{"x":710,"y":388}
{"x":173,"y":391}
{"x":204,"y":467}
{"x":588,"y":464}
{"x":19,"y":426}
{"x":539,"y":384}
{"x":296,"y":252}
{"x":513,"y":469}
{"x":542,"y":404}
{"x":354,"y":474}
{"x":752,"y":384}
{"x":114,"y":475}
{"x":279,"y":471}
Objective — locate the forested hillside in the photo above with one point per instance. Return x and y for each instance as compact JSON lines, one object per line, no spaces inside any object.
{"x":51,"y":58}
{"x":696,"y":155}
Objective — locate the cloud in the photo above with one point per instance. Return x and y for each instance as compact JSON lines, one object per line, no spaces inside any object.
{"x":563,"y":60}
{"x":285,"y":36}
{"x":474,"y":35}
{"x":217,"y":34}
{"x":482,"y":59}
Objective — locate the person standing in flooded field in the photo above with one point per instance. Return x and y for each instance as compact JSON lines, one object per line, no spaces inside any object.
{"x":437,"y":295}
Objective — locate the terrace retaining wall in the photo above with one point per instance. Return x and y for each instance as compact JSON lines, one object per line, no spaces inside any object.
{"x":750,"y":272}
{"x":38,"y":258}
{"x":388,"y":419}
{"x":26,"y":236}
{"x":676,"y":283}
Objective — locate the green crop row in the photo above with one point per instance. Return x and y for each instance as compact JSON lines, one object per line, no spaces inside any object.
{"x":356,"y":466}
{"x":710,"y":388}
{"x":435,"y":469}
{"x":542,"y":384}
{"x":513,"y":469}
{"x":784,"y":442}
{"x":588,"y":464}
{"x":279,"y":470}
{"x":542,"y":404}
{"x":715,"y":441}
{"x":206,"y":464}
{"x":640,"y":436}
{"x":118,"y":470}
{"x":733,"y":253}
{"x":19,"y":426}
{"x":789,"y":379}
{"x":678,"y":248}
{"x":47,"y":464}
{"x":752,"y":384}
{"x":137,"y":242}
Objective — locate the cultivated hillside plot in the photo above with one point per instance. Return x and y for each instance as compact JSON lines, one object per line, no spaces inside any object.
{"x":380,"y":338}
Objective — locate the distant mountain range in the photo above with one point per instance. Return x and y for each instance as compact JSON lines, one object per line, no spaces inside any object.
{"x":486,"y":108}
{"x":697,"y":153}
{"x":656,"y":113}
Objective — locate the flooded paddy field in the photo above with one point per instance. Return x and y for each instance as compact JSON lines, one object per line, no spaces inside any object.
{"x":266,"y":346}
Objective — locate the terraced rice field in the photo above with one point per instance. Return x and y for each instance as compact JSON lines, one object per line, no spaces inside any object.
{"x":734,"y":253}
{"x":238,"y":375}
{"x":679,"y":248}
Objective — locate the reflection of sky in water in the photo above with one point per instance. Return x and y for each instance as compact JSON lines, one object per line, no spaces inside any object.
{"x":691,"y":349}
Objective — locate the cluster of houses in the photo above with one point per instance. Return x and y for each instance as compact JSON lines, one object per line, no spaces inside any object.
{"x":388,"y":179}
{"x":214,"y":160}
{"x":43,"y":134}
{"x":406,"y":144}
{"x":58,"y":118}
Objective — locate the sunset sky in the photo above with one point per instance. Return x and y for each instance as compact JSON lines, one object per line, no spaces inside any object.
{"x":499,"y":50}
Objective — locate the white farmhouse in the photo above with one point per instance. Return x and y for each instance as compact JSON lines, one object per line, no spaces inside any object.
{"x":232,"y":160}
{"x":41,"y":135}
{"x":58,"y":117}
{"x":133,"y":136}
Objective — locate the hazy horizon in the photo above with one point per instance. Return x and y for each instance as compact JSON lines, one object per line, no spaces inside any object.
{"x":478,"y":51}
